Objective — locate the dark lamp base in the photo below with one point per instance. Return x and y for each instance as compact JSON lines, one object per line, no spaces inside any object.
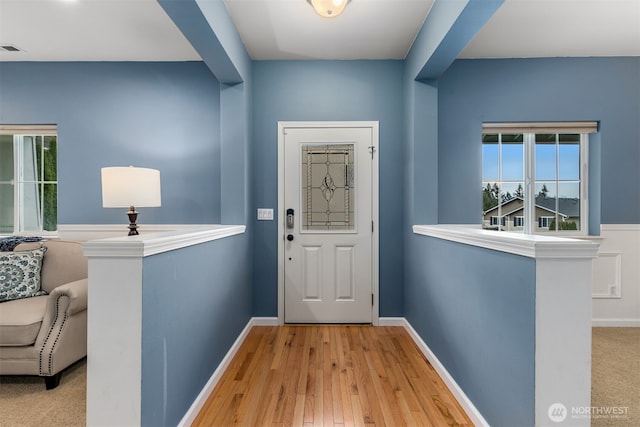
{"x":133,"y":216}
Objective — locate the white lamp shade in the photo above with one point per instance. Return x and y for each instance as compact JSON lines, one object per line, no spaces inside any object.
{"x":128,"y":186}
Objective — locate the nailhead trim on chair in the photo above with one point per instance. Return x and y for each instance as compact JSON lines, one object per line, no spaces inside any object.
{"x":55,"y":342}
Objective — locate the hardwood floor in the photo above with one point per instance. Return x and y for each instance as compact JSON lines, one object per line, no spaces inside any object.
{"x":330,"y":376}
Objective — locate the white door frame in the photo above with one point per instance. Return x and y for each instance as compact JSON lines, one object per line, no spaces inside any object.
{"x":373,"y":125}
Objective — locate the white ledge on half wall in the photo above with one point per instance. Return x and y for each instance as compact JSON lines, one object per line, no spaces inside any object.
{"x":528,"y":245}
{"x":147,"y":244}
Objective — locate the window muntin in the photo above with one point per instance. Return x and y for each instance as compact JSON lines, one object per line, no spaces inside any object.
{"x":535,"y":175}
{"x":28,"y":180}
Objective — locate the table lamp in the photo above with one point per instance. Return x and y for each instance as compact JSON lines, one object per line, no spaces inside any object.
{"x":130,"y":187}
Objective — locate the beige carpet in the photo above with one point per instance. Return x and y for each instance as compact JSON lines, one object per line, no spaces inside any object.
{"x":615,"y":377}
{"x":24,"y":401}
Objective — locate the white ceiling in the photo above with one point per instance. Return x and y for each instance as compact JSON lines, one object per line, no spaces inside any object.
{"x":290,"y":29}
{"x":541,"y":28}
{"x":91,"y":30}
{"x":139,"y":30}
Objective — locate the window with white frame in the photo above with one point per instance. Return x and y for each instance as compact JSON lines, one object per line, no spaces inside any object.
{"x":495,"y":220}
{"x":537,"y":173}
{"x":28,"y":179}
{"x":545,"y":221}
{"x":518,"y":221}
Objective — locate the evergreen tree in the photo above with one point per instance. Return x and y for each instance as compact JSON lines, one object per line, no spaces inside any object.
{"x":519,"y":192}
{"x":489,"y":197}
{"x":49,"y":190}
{"x":543,"y":191}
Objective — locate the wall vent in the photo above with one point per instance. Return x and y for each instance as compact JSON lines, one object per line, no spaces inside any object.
{"x":10,"y":48}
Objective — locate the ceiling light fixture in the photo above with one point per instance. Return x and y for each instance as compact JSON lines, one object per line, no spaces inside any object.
{"x":10,"y":48}
{"x":328,"y":8}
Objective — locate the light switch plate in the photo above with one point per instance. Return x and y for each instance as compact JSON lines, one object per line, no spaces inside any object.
{"x":265,"y":214}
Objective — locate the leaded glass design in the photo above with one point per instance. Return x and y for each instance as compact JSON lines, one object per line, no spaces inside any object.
{"x":327,"y":187}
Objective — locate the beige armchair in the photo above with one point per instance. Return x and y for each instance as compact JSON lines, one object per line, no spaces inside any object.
{"x":45,"y":334}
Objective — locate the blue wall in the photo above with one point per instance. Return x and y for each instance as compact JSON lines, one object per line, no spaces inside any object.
{"x":196,"y":301}
{"x":328,"y":90}
{"x":550,"y":89}
{"x":160,"y":115}
{"x":475,"y":309}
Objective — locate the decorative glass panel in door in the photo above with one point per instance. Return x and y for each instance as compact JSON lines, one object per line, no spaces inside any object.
{"x":328,"y":190}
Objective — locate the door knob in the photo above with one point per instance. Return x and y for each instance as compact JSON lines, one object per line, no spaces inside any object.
{"x":290,"y":237}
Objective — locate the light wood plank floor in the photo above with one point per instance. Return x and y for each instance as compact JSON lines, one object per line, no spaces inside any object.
{"x":330,"y":376}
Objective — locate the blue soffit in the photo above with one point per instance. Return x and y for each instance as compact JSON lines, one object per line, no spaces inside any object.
{"x":445,"y":44}
{"x":194,"y":25}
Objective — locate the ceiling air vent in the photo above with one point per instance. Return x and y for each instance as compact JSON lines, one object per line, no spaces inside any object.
{"x":9,"y":48}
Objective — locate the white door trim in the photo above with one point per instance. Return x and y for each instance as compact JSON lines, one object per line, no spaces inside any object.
{"x":373,"y":125}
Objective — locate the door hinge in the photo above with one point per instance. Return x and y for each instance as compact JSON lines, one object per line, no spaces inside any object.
{"x":373,"y":229}
{"x":372,"y":150}
{"x":371,"y":300}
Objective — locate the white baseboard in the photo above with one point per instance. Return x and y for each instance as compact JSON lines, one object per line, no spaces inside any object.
{"x":197,"y":404}
{"x":616,"y":323}
{"x":392,"y":321}
{"x":457,"y":392}
{"x":264,"y":321}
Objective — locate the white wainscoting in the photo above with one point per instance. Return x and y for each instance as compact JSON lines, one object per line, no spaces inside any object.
{"x":607,"y":272}
{"x":616,"y":276}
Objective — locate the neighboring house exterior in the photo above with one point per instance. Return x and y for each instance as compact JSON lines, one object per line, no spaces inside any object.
{"x":512,"y":210}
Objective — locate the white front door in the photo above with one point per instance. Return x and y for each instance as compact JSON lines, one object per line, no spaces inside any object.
{"x":328,"y":224}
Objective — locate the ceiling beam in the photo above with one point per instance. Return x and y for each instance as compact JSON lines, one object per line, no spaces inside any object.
{"x":449,"y":27}
{"x":209,"y":29}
